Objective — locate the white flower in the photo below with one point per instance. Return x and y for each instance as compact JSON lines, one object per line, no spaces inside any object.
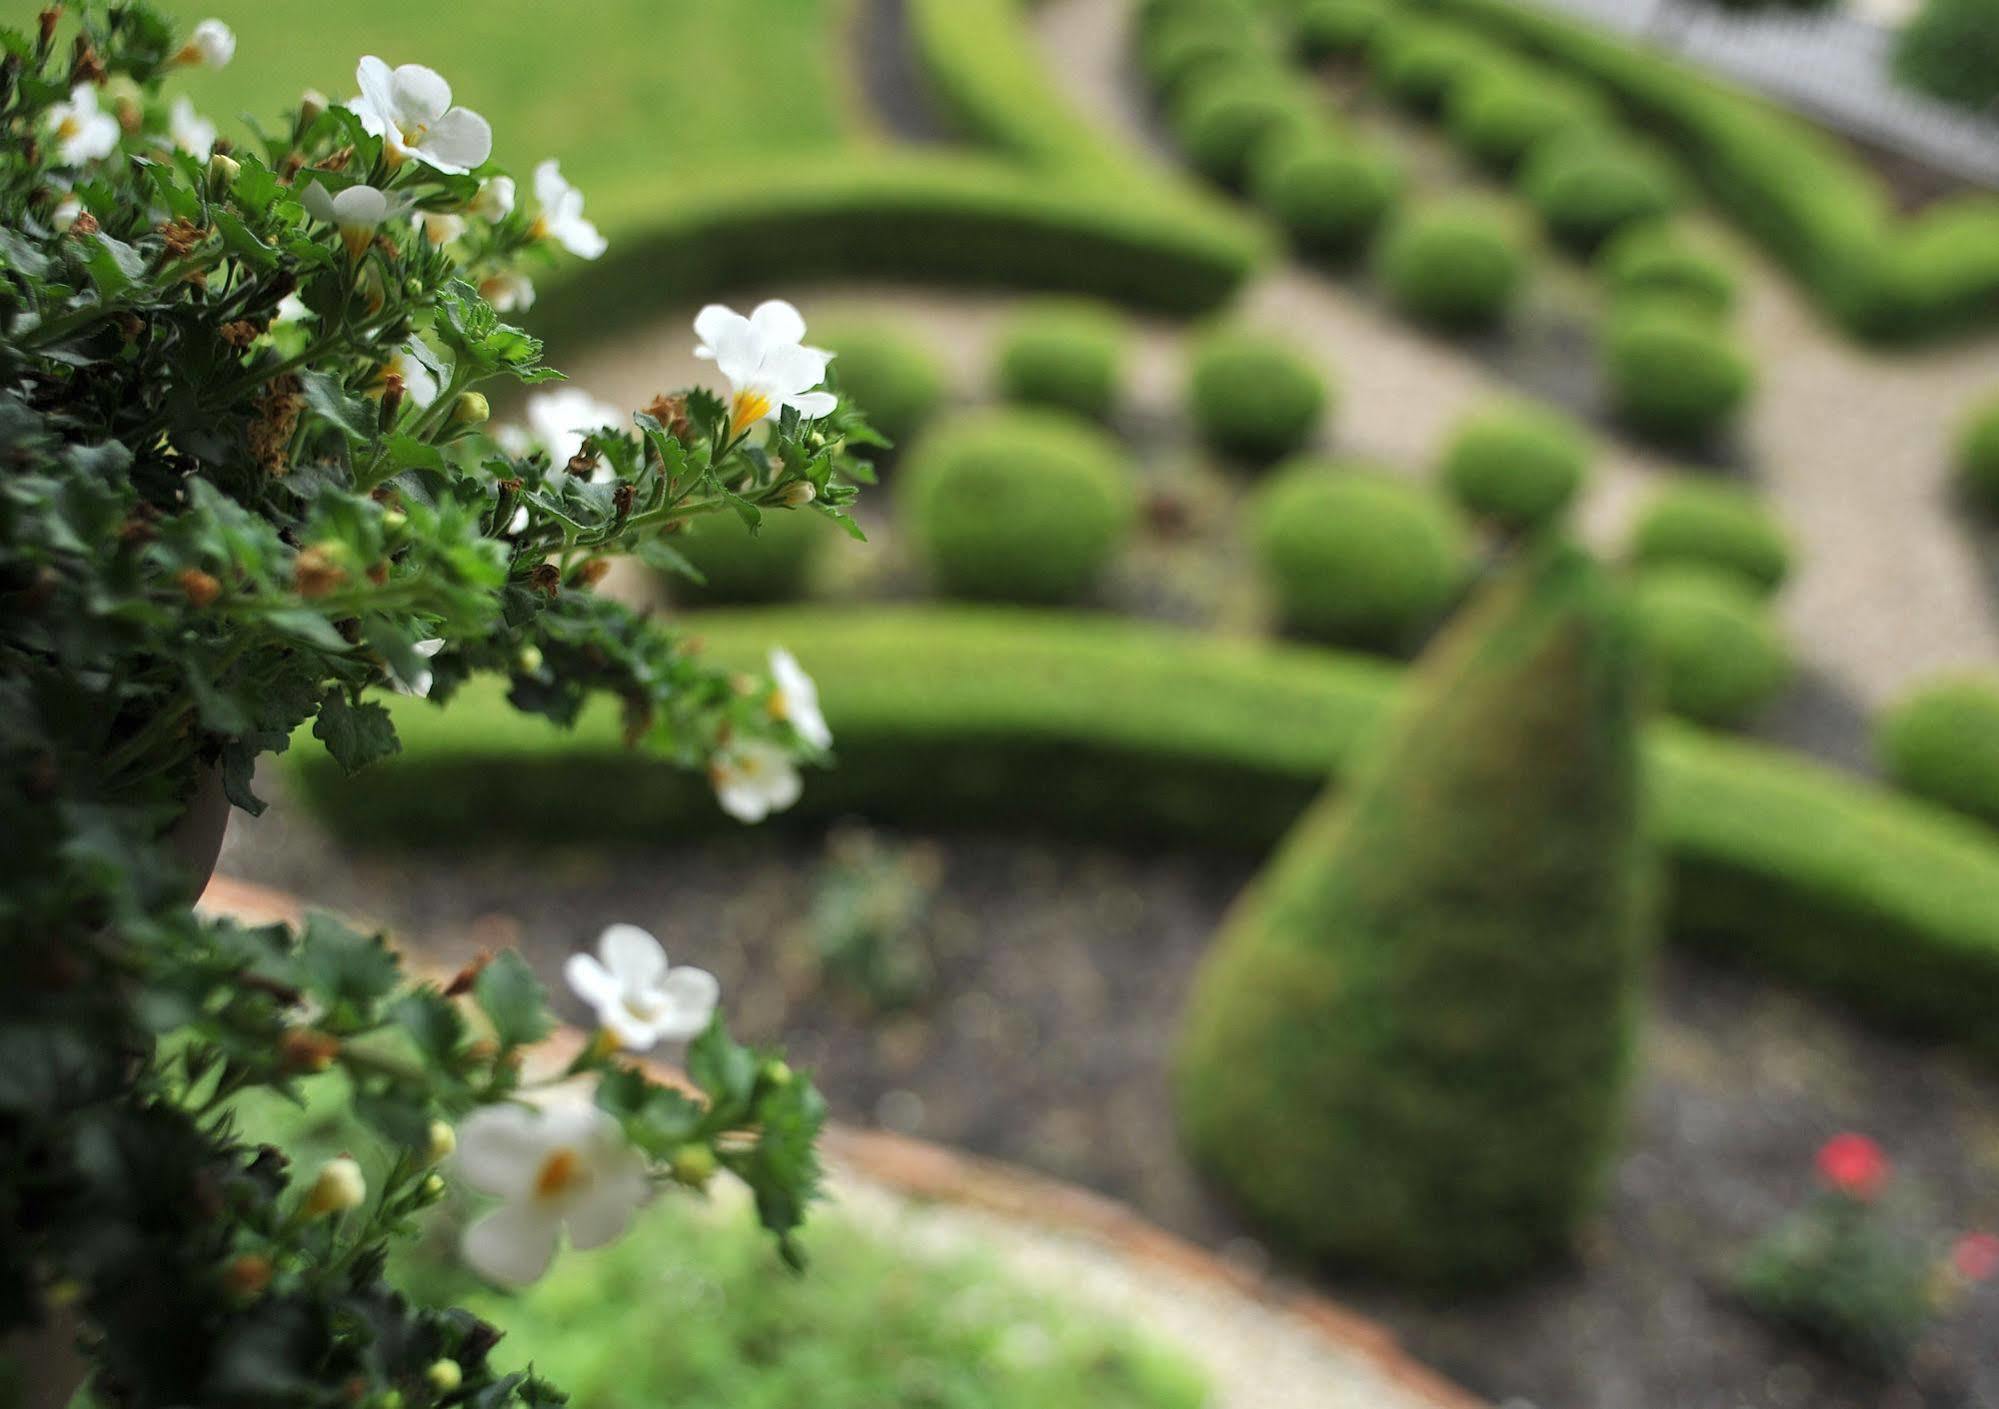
{"x":440,"y":227}
{"x":66,"y":212}
{"x":754,"y":779}
{"x":495,"y":200}
{"x":565,"y":1165}
{"x":212,"y":45}
{"x":83,"y":131}
{"x":559,"y":421}
{"x":292,"y":309}
{"x":767,"y":367}
{"x":561,"y":218}
{"x":419,"y":684}
{"x":638,"y":997}
{"x":508,"y":291}
{"x":191,"y":132}
{"x":419,"y":382}
{"x":359,"y":211}
{"x":796,"y":700}
{"x":409,"y":108}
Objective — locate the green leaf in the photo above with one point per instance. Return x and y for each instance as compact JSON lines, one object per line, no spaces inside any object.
{"x":354,"y":415}
{"x":655,"y":554}
{"x":308,"y":627}
{"x":433,"y":1023}
{"x":113,"y":265}
{"x":513,"y":1001}
{"x":722,"y":1067}
{"x":356,"y":735}
{"x":236,"y":237}
{"x":339,"y":965}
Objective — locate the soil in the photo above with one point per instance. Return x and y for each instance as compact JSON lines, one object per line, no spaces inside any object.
{"x":1059,"y":975}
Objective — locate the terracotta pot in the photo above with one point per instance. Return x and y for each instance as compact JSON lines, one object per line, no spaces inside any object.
{"x":196,"y":840}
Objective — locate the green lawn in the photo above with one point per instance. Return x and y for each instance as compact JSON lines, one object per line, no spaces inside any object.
{"x":631,"y":95}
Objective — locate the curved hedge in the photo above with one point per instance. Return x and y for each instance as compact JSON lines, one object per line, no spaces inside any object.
{"x":958,"y":220}
{"x":1109,"y":728}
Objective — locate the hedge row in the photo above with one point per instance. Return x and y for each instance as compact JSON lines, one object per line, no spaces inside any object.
{"x":1113,"y":729}
{"x":1815,"y":205}
{"x":955,"y":219}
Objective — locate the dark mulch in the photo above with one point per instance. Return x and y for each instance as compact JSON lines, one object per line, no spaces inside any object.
{"x":1061,"y":972}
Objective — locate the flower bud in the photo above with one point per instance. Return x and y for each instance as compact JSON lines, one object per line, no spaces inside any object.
{"x":307,"y":1049}
{"x":529,"y":660}
{"x":694,"y":1166}
{"x":777,"y":1072}
{"x":431,"y":1190}
{"x":442,"y":1141}
{"x":471,"y":409}
{"x":246,"y":1275}
{"x":223,"y":171}
{"x":339,"y":1187}
{"x":444,"y":1376}
{"x":311,"y":104}
{"x":394,"y":519}
{"x":800,"y":494}
{"x":200,"y":588}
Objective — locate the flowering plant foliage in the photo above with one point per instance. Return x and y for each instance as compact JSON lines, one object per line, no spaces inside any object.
{"x":244,"y":488}
{"x":1839,"y":1271}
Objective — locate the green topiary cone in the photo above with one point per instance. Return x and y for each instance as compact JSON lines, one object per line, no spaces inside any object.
{"x":1408,"y":1048}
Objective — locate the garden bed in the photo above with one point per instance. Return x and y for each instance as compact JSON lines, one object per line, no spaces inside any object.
{"x":1060,"y":977}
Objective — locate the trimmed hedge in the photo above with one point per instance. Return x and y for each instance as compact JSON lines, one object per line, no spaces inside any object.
{"x":1069,"y":356}
{"x":1357,"y":556}
{"x":888,"y":371}
{"x":1801,"y":191}
{"x":1587,"y":188}
{"x":1950,"y":51}
{"x":1718,"y":656}
{"x":1978,"y":456}
{"x":1016,"y":505}
{"x":1456,"y":264}
{"x":1719,"y":526}
{"x":1500,"y":114}
{"x":1410,"y":1043}
{"x":1516,"y":464}
{"x":1672,"y":374}
{"x":1657,"y":261}
{"x":1337,"y":29}
{"x":1418,"y":63}
{"x":773,"y":565}
{"x":1941,"y":742}
{"x":1328,"y":192}
{"x":1254,"y":396}
{"x":1106,"y":728}
{"x":1222,"y":118}
{"x":957,"y":220}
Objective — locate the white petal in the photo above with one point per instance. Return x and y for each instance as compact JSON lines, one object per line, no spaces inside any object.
{"x":778,"y":321}
{"x":581,"y":238}
{"x":318,"y":204}
{"x":739,"y":353}
{"x":632,"y":956}
{"x":711,"y":323}
{"x":590,"y":981}
{"x":741,"y":800}
{"x":501,"y":1148}
{"x":457,"y":141}
{"x":512,"y":1245}
{"x":691,"y":995}
{"x":420,"y":94}
{"x":813,"y":404}
{"x":791,"y":369}
{"x":378,"y":89}
{"x":549,"y":187}
{"x":603,"y":1212}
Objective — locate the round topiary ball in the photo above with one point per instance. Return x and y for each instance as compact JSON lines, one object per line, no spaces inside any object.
{"x":1978,"y":457}
{"x":1501,"y":114}
{"x":1716,"y":652}
{"x":1357,"y":556}
{"x":1941,"y":742}
{"x":773,"y":565}
{"x":1418,"y":64}
{"x":1516,"y":464}
{"x":1454,"y":264}
{"x":1069,"y":356}
{"x":1337,"y":29}
{"x":1254,"y":396}
{"x":1588,"y":187}
{"x":1221,"y":119}
{"x":1015,"y":505}
{"x":1178,"y":56}
{"x":1330,"y":194}
{"x":1673,"y":375}
{"x":1655,"y":261}
{"x":891,"y":375}
{"x":1716,"y":526}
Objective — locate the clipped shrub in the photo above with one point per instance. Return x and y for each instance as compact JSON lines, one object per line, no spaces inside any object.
{"x":889,"y":371}
{"x":1589,"y":187}
{"x":1454,"y":264}
{"x":1501,"y":114}
{"x":1516,"y":464}
{"x":1355,"y":555}
{"x":1179,"y":56}
{"x":1254,"y":396}
{"x":1941,"y":742}
{"x":1069,"y":356}
{"x":1337,"y":29}
{"x":1978,"y":456}
{"x":1672,"y":374}
{"x":773,"y":565}
{"x":1656,"y":261}
{"x":1018,"y":505}
{"x":1409,"y":1045}
{"x":1950,"y":51}
{"x":1329,"y":193}
{"x":1712,"y":525}
{"x":1717,"y":656}
{"x":1418,"y":64}
{"x":1221,"y":119}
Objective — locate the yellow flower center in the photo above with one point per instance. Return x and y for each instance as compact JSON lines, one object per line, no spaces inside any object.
{"x":560,"y":1173}
{"x":748,"y":407}
{"x":68,"y":127}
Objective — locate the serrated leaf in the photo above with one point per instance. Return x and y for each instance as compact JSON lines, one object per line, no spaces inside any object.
{"x":356,"y":735}
{"x":339,"y":965}
{"x":513,"y":1001}
{"x":354,"y":415}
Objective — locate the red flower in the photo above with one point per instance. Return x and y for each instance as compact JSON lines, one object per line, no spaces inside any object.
{"x":1976,"y":1256}
{"x":1854,"y":1166}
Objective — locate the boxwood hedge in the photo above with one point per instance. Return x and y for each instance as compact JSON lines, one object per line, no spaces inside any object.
{"x":1108,"y":728}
